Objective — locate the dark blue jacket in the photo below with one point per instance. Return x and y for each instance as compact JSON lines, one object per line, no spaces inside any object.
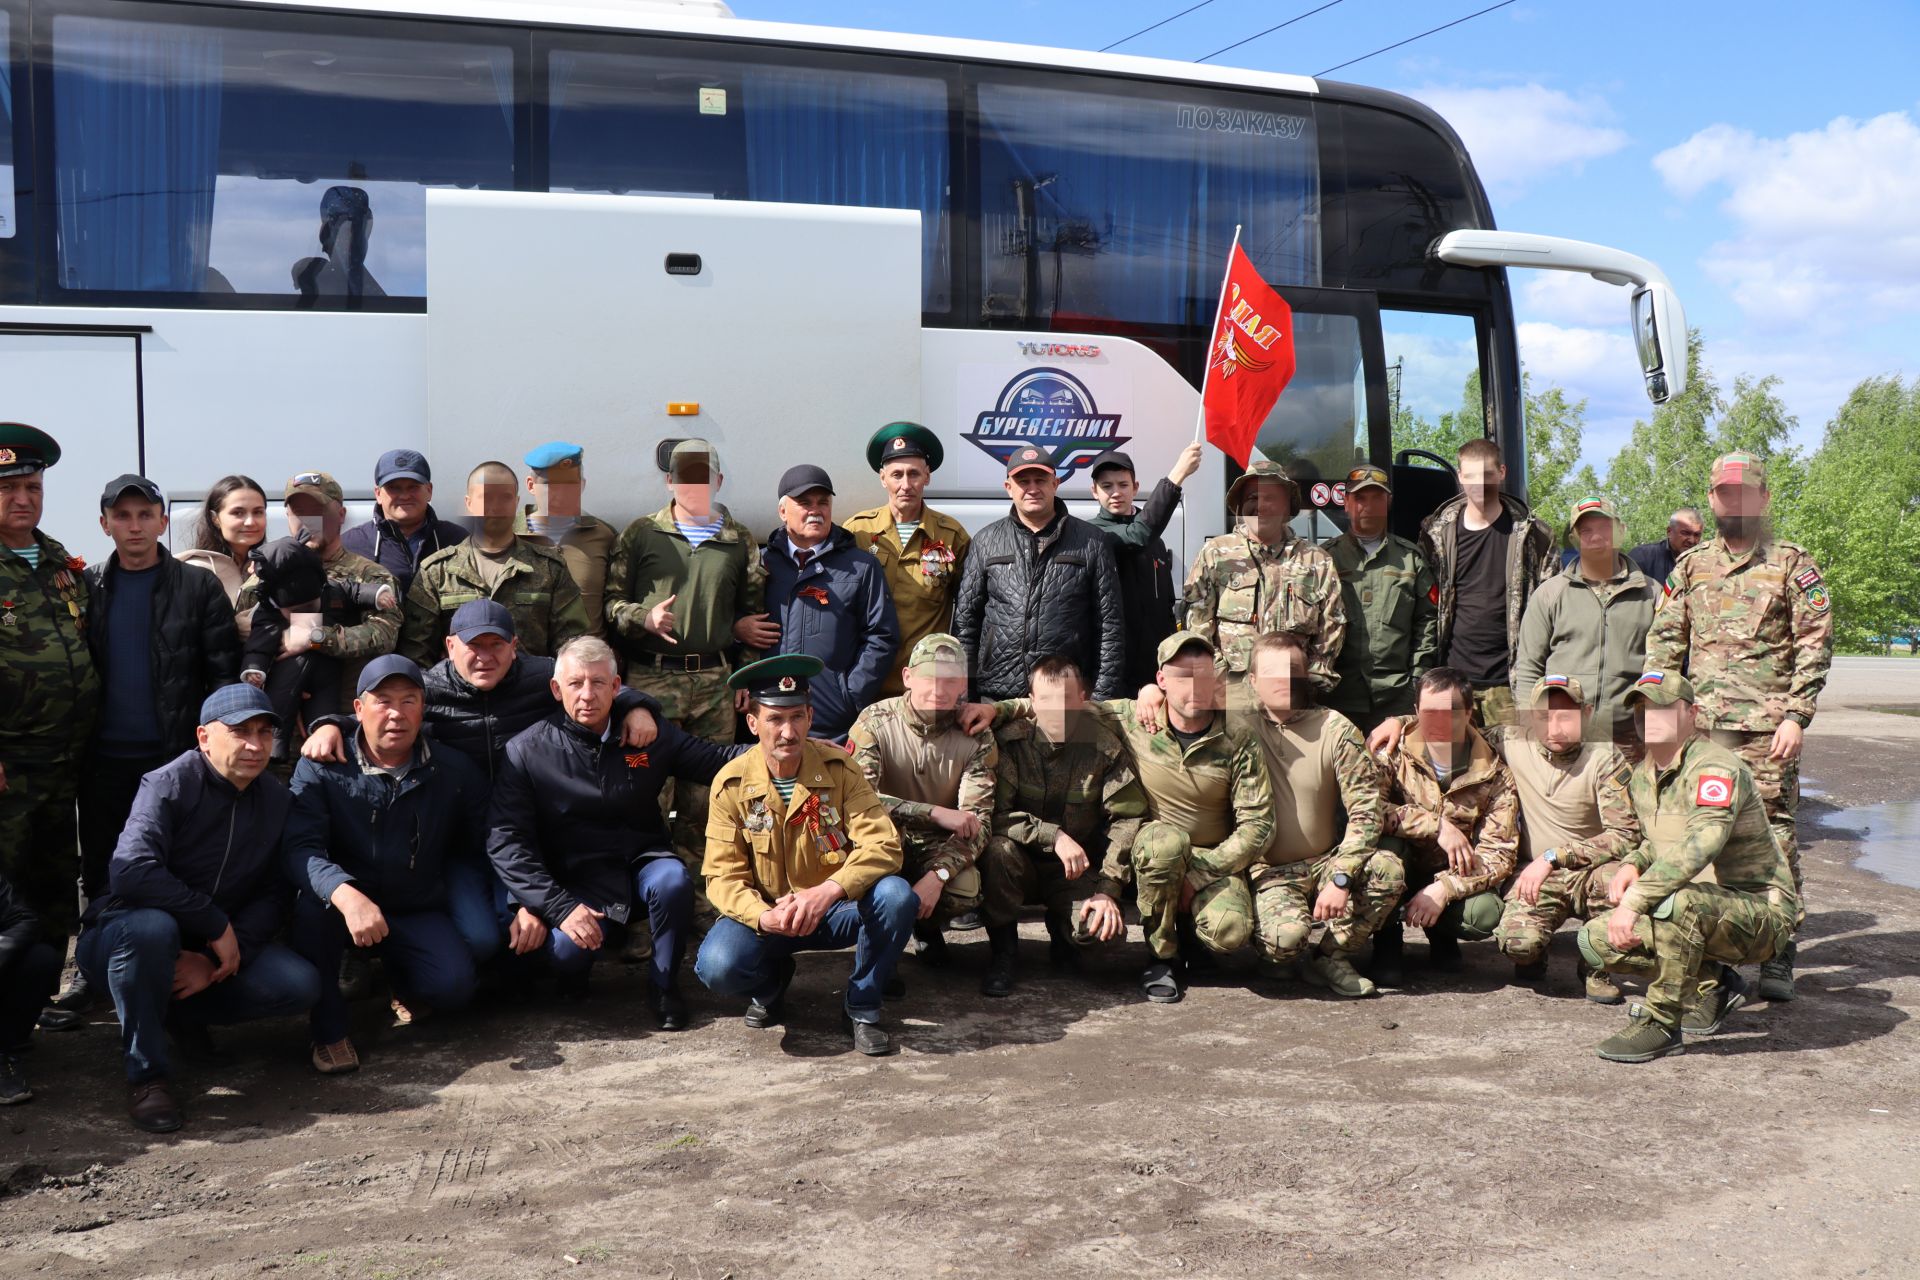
{"x":479,"y":723}
{"x":391,"y":840}
{"x":1655,"y":559}
{"x":572,"y":813}
{"x":204,"y":852}
{"x":379,"y":541}
{"x":194,"y":646}
{"x":854,"y":631}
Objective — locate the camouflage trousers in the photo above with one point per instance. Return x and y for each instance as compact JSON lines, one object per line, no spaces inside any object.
{"x":1222,"y":909}
{"x":1777,"y":781}
{"x":1016,"y":874}
{"x":1679,"y":947}
{"x":962,"y":892}
{"x":1526,"y":930}
{"x":701,"y":704}
{"x":1471,"y":919}
{"x":40,"y":843}
{"x":1283,"y":898}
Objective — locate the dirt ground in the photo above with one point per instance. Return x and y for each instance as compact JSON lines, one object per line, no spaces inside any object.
{"x":1462,"y":1128}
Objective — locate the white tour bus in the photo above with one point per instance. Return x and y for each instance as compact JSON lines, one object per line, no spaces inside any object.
{"x":645,"y":220}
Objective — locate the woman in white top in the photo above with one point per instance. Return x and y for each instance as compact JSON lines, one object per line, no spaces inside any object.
{"x":232,"y":522}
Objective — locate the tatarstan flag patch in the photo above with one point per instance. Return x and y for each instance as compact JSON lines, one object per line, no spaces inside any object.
{"x":1714,"y":791}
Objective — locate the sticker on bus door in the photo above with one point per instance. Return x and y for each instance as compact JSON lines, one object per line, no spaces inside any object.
{"x":6,"y":202}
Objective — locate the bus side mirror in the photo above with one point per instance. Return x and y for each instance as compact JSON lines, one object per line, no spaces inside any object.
{"x":1660,"y":336}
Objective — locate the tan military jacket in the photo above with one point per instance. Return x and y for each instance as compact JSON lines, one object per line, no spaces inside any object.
{"x":1574,"y":803}
{"x":1240,"y":589}
{"x":1479,"y":800}
{"x":918,"y":762}
{"x":1326,"y":791}
{"x":760,"y":848}
{"x":922,"y":577}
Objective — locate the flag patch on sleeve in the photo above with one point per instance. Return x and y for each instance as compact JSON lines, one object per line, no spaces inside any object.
{"x":1807,"y":577}
{"x":1715,"y":791}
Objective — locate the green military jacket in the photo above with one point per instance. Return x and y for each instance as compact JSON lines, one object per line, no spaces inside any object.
{"x":587,"y":546}
{"x":49,"y":688}
{"x":537,"y":588}
{"x":919,"y":762}
{"x":1084,"y":785}
{"x":1704,"y":811}
{"x":1240,"y":588}
{"x":1392,"y":605}
{"x":713,"y":585}
{"x":1754,"y":631}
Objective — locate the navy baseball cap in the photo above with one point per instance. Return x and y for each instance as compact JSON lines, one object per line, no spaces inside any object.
{"x":402,"y":464}
{"x":800,"y":479}
{"x":385,"y":667}
{"x":233,"y":704}
{"x":478,"y":618}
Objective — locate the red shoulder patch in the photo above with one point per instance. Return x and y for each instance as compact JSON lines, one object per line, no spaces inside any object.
{"x":1715,"y":791}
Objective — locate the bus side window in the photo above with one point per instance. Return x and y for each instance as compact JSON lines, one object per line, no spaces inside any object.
{"x":15,"y":257}
{"x":265,"y":153}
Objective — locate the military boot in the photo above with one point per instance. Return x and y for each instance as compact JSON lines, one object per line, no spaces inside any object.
{"x":1443,"y":952}
{"x":1776,"y":976}
{"x":1003,"y":941}
{"x":1530,"y":975}
{"x":933,"y":945}
{"x":1642,"y":1041}
{"x":1062,"y":954}
{"x":1599,"y":984}
{"x":1387,"y":967}
{"x":1195,"y":955}
{"x":1336,"y":973}
{"x":1715,"y":1000}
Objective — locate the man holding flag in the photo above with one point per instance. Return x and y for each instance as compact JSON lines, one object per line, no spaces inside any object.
{"x":1259,"y":577}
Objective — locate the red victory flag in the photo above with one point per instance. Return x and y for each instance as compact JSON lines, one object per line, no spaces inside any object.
{"x":1251,"y":359}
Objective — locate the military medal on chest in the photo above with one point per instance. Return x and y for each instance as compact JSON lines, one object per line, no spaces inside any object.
{"x":758,"y":818}
{"x":936,"y":561}
{"x":7,"y":619}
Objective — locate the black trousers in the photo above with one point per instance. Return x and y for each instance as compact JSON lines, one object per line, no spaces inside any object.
{"x":108,"y":785}
{"x":26,"y":984}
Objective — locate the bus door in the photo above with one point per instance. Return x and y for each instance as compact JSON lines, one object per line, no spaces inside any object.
{"x":81,"y":384}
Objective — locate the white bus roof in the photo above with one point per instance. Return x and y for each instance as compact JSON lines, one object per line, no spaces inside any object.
{"x":714,"y":18}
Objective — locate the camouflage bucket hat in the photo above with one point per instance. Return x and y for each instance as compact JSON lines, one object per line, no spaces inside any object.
{"x":1265,"y":469}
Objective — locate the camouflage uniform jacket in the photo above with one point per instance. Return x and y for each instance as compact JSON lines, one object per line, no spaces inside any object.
{"x":1391,"y":604}
{"x":1241,"y":588}
{"x":49,"y":686}
{"x":537,"y":588}
{"x":587,"y":547}
{"x":1756,"y":630}
{"x":1530,"y":561}
{"x":1480,"y":801}
{"x":1085,"y":786}
{"x":1596,"y":774}
{"x":357,"y":638}
{"x":1324,"y":785}
{"x":715,"y":585}
{"x":1703,"y":811}
{"x":917,"y":763}
{"x":1217,"y":791}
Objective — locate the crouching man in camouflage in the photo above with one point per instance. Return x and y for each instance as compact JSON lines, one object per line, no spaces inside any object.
{"x":1699,"y":807}
{"x":1067,"y":808}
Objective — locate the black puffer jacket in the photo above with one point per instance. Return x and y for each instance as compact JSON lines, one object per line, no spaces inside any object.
{"x":478,"y":723}
{"x":195,"y":647}
{"x":1025,"y":595}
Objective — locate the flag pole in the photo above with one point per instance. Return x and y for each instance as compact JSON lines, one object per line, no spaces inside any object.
{"x":1200,"y":417}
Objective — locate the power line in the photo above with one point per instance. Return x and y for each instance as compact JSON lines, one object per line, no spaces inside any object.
{"x":1410,"y":39}
{"x":1270,"y":30}
{"x":1155,"y":27}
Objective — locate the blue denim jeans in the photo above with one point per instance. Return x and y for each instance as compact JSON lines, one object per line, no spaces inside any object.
{"x":666,"y":889}
{"x":738,"y":961}
{"x":426,"y":959}
{"x":132,"y":954}
{"x":479,"y":905}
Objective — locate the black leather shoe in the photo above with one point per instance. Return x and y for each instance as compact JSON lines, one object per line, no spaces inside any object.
{"x":77,"y":996}
{"x":869,"y":1038}
{"x":965,"y":921}
{"x":13,"y":1082}
{"x":764,"y":1013}
{"x":670,"y":1009}
{"x":151,"y":1107}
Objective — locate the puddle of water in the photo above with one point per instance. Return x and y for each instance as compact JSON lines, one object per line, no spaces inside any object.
{"x":1890,"y":836}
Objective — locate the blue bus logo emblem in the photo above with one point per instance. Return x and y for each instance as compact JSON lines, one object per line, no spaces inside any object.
{"x":1050,"y":408}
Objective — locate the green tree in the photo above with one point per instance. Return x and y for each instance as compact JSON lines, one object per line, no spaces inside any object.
{"x":1555,"y":426}
{"x":1665,"y":462}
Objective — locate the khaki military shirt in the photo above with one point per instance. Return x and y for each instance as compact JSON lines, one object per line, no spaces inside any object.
{"x":760,"y":848}
{"x":1326,"y":791}
{"x":1703,"y":811}
{"x":537,"y":589}
{"x":919,"y":762}
{"x":49,"y":687}
{"x":922,"y":576}
{"x":1391,"y":602}
{"x":1479,"y":800}
{"x":1241,"y":588}
{"x":587,"y":546}
{"x":1573,"y":802}
{"x":1756,"y":629}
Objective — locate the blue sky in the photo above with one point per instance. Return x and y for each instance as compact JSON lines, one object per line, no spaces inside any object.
{"x":1766,"y":154}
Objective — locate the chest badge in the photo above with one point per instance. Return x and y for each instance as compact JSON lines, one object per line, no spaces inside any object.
{"x":758,"y":818}
{"x":936,"y":561}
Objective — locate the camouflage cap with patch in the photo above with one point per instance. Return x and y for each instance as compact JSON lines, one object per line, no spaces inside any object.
{"x":1592,"y":506}
{"x":1739,"y":467}
{"x":938,"y":647}
{"x":1661,"y":689}
{"x":317,"y":484}
{"x":1180,"y":641}
{"x":1265,"y":469}
{"x":1548,"y":683}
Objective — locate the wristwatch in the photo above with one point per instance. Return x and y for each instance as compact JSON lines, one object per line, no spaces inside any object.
{"x":317,"y":637}
{"x":1341,"y":879}
{"x":942,"y":874}
{"x":1551,"y":857}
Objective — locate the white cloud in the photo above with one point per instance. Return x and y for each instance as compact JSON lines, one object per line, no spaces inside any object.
{"x":1519,"y":133}
{"x":1597,"y":365}
{"x":1825,"y":233}
{"x":1570,"y":297}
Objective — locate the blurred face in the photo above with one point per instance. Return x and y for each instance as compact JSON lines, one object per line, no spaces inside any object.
{"x":1442,"y":715}
{"x":1280,"y":681}
{"x":905,"y":480}
{"x":936,"y":686}
{"x":1032,"y":492}
{"x":238,"y":752}
{"x":586,"y":691}
{"x":1057,"y":701}
{"x":1367,"y":512}
{"x":556,"y":491}
{"x":242,"y":520}
{"x":809,"y":517}
{"x":21,"y":498}
{"x":390,"y":715}
{"x":1115,"y":489}
{"x":1265,"y":508}
{"x":1482,"y":481}
{"x":136,"y":526}
{"x":1595,"y":534}
{"x":320,"y":518}
{"x":1192,"y":684}
{"x":1560,"y":723}
{"x":491,"y":499}
{"x":1663,"y":727}
{"x":782,"y":732}
{"x":483,"y":662}
{"x":691,"y":485}
{"x":1683,"y":533}
{"x":404,"y":501}
{"x":1738,"y":509}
